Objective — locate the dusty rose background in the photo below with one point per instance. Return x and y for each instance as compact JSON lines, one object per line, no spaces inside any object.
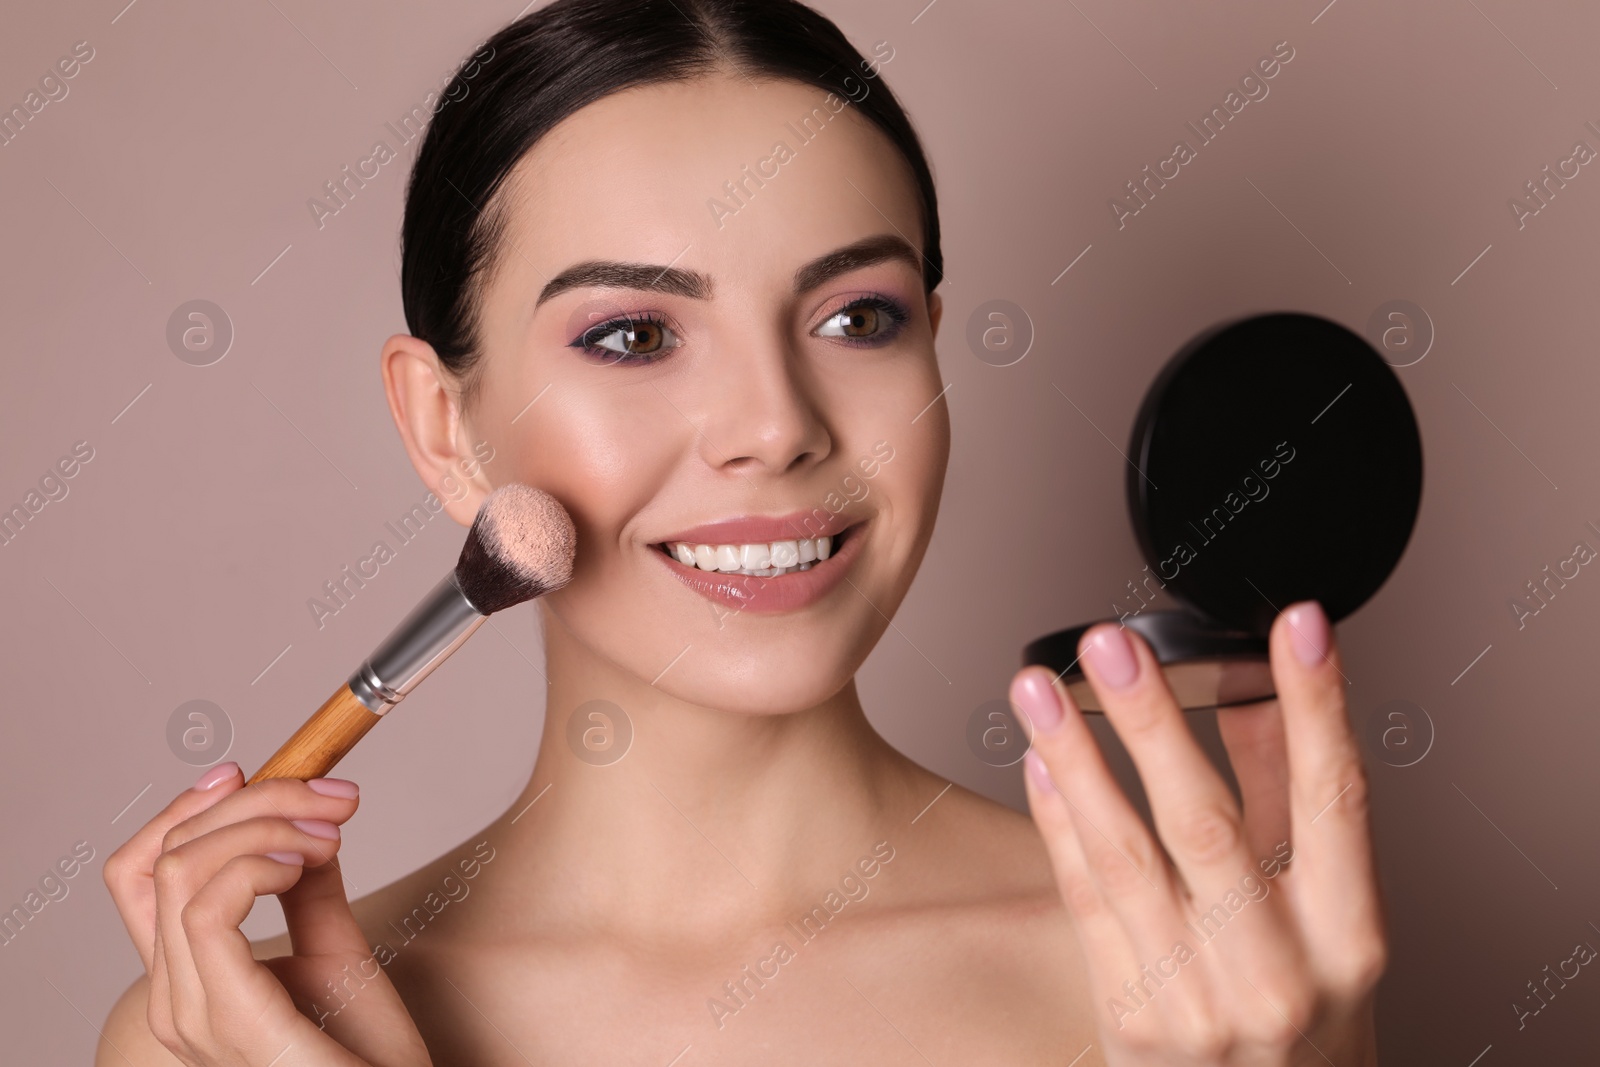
{"x":1379,"y":168}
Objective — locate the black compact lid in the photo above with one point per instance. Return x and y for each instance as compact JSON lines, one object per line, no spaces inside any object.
{"x":1274,"y":459}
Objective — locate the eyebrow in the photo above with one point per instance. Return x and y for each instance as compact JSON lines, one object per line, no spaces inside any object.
{"x":863,"y":253}
{"x":669,"y":279}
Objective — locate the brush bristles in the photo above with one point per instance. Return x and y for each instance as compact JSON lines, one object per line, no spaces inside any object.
{"x":521,"y":546}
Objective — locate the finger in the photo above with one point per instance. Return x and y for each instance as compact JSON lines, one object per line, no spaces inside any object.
{"x":223,"y":959}
{"x":1121,"y":857}
{"x":1194,"y":811}
{"x":1335,"y":881}
{"x":1109,"y":955}
{"x":158,"y":1012}
{"x":1253,"y":736}
{"x":128,"y":870}
{"x":1099,"y":926}
{"x":319,"y":916}
{"x":185,"y":1004}
{"x":181,"y":872}
{"x":326,"y":799}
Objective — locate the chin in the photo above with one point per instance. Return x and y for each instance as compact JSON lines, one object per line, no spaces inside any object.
{"x":769,"y":677}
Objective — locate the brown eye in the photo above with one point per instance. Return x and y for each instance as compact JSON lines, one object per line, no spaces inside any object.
{"x":627,"y":339}
{"x":870,"y":321}
{"x":860,"y":321}
{"x":642,"y":337}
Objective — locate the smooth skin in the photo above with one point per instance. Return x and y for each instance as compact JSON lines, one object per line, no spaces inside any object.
{"x":622,"y":901}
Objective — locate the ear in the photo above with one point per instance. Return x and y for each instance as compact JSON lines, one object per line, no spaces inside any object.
{"x":935,"y":310}
{"x":424,"y":400}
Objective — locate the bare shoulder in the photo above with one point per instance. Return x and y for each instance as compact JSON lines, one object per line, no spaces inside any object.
{"x":979,"y":864}
{"x":988,"y":853}
{"x":967,"y":915}
{"x":126,"y":1037}
{"x":395,"y":915}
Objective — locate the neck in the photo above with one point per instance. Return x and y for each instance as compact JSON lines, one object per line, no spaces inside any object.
{"x":707,"y":819}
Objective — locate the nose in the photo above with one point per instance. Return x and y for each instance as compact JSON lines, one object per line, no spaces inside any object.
{"x":761,"y":416}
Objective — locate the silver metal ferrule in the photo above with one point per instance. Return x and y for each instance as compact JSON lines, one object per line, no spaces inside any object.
{"x":434,"y":629}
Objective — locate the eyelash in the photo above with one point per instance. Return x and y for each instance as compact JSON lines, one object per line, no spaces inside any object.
{"x":586,"y":342}
{"x":897,"y":320}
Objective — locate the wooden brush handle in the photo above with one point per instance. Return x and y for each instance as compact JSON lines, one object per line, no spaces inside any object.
{"x":322,"y":741}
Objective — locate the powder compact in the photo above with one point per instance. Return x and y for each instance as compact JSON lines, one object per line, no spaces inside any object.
{"x":1274,"y":459}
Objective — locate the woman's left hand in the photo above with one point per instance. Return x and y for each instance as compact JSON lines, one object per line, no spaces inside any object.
{"x":1256,"y":936}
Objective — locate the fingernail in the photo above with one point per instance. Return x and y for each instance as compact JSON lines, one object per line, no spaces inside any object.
{"x":318,"y":828}
{"x":1038,"y":771}
{"x":1111,"y":655}
{"x":217,"y":775}
{"x":1308,"y":632}
{"x":292,"y":858}
{"x":1036,"y":697}
{"x":334,"y":787}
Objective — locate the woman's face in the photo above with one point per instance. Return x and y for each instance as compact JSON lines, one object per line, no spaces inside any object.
{"x":753,"y":384}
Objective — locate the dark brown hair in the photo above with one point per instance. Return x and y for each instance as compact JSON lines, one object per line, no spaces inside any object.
{"x":549,"y":63}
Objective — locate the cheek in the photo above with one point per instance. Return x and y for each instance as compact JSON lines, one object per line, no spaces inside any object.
{"x":604,"y":452}
{"x":913,"y":475}
{"x":903,"y":496}
{"x":912,"y":482}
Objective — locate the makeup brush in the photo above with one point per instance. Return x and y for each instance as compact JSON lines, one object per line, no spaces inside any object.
{"x":520,"y":546}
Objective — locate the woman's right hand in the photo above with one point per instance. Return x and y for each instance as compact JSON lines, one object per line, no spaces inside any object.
{"x":186,"y":880}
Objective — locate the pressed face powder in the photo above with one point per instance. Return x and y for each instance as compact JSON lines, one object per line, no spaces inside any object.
{"x":1274,"y":459}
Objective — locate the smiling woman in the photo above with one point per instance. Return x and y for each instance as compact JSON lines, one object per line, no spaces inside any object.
{"x":710,"y":391}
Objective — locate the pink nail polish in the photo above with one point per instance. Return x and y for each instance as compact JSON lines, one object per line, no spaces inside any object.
{"x":1110,"y":653}
{"x":318,"y":828}
{"x":1308,"y":632}
{"x":1038,"y":771}
{"x":334,"y":787}
{"x":1036,"y":698}
{"x":292,"y":858}
{"x":215,"y":776}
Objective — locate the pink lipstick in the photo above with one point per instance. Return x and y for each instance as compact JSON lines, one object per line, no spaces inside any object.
{"x":764,"y":564}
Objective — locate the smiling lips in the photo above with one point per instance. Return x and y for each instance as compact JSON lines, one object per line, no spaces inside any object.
{"x":762,"y":565}
{"x":763,"y":559}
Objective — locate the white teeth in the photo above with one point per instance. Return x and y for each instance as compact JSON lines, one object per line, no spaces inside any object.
{"x":764,"y":559}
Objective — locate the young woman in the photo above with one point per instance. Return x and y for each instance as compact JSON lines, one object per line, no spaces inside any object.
{"x":675,"y":262}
